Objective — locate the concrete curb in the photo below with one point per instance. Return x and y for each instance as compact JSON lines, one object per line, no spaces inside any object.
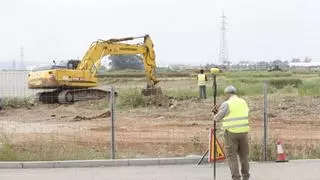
{"x":101,"y":163}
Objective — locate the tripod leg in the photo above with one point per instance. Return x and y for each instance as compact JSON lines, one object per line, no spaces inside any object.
{"x":204,"y":155}
{"x":215,"y":150}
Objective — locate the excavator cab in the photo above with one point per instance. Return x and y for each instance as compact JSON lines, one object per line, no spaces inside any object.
{"x":73,"y":64}
{"x":69,"y":64}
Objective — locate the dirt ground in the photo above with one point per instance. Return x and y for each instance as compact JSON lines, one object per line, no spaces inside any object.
{"x":178,"y":130}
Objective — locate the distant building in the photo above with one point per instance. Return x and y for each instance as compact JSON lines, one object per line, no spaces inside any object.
{"x":183,"y":67}
{"x":304,"y":64}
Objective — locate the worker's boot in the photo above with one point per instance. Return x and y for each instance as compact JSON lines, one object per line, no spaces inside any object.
{"x":236,"y":177}
{"x":245,"y":173}
{"x":245,"y":177}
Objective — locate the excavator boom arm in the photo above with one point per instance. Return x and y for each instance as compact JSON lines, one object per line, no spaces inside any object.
{"x":92,"y":59}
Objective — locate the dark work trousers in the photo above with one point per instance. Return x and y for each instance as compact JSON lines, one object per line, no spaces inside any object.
{"x":236,"y":144}
{"x":202,"y":91}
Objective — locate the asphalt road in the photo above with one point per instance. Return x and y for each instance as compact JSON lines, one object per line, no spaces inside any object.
{"x":293,"y":170}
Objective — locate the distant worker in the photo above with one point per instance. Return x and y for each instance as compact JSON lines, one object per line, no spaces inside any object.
{"x":202,"y":83}
{"x":234,"y":114}
{"x":1,"y":104}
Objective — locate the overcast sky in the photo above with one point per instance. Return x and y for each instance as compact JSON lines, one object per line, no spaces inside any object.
{"x":183,"y":31}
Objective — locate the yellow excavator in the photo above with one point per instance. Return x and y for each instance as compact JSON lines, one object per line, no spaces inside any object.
{"x":75,"y":80}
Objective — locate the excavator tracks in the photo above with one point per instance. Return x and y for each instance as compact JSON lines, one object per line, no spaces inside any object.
{"x":47,"y":97}
{"x":71,"y":95}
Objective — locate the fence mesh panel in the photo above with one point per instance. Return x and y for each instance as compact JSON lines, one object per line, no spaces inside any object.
{"x":176,"y":124}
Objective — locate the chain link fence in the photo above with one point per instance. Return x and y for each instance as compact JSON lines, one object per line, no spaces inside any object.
{"x":175,"y":124}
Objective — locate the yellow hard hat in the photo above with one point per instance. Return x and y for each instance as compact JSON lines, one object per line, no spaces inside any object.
{"x":215,"y":71}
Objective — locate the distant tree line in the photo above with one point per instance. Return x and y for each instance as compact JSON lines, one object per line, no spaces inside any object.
{"x":126,"y":62}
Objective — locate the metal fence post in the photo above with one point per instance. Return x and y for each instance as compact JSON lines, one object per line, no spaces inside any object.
{"x":112,"y":112}
{"x":265,"y":119}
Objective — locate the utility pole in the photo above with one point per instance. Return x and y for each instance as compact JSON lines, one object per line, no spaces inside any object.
{"x":14,"y":64}
{"x":223,"y":53}
{"x":22,"y":67}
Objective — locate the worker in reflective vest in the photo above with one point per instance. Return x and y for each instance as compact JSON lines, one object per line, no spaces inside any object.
{"x":202,"y":83}
{"x":234,"y":116}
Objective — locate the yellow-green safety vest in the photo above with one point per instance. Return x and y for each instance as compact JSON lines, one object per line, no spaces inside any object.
{"x":237,"y":120}
{"x":202,"y":79}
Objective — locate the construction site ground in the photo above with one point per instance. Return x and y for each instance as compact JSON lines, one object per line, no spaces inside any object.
{"x":178,"y":127}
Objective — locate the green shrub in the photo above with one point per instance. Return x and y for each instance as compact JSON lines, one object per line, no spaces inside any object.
{"x":306,"y":150}
{"x":287,"y":89}
{"x":280,"y":83}
{"x":48,"y":150}
{"x":247,"y":89}
{"x":246,"y":74}
{"x":256,"y":150}
{"x":7,"y":152}
{"x":187,"y":92}
{"x":193,"y":92}
{"x":244,"y":89}
{"x":131,"y":98}
{"x":246,"y":80}
{"x":309,"y":88}
{"x":16,"y":102}
{"x":304,"y":72}
{"x":122,"y":74}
